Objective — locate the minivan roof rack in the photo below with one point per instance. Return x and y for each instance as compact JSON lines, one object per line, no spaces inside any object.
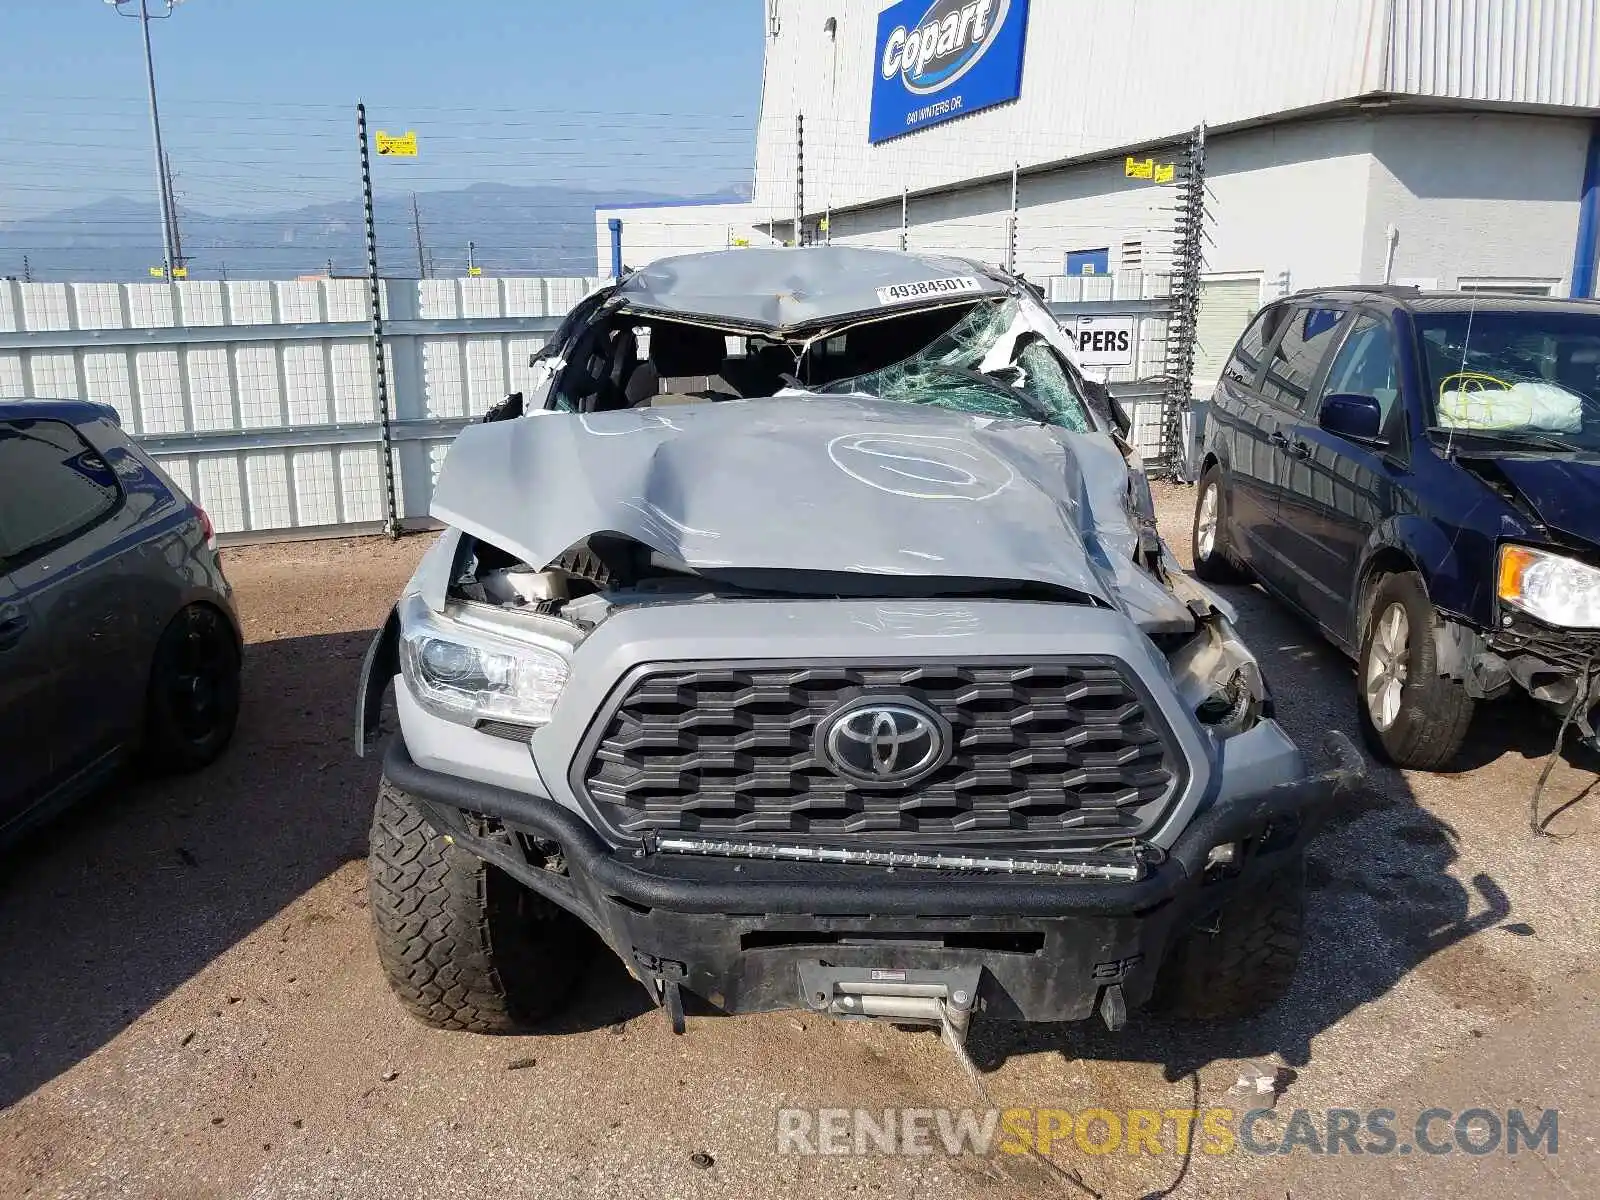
{"x":1376,"y":289}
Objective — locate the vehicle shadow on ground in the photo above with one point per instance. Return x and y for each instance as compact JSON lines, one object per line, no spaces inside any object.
{"x":1381,"y":901}
{"x":111,"y":907}
{"x":1520,"y":725}
{"x":606,"y":996}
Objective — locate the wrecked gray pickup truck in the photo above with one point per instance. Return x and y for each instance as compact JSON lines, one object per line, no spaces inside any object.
{"x":807,"y":636}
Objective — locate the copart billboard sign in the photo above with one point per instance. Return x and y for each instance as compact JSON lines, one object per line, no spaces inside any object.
{"x":941,"y":60}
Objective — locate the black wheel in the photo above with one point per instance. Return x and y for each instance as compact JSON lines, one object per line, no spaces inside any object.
{"x":1241,"y":960}
{"x":1213,"y":558}
{"x":1411,"y":715}
{"x":192,"y":706}
{"x":463,"y":944}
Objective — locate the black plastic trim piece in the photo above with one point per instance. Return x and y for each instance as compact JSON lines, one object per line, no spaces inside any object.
{"x":716,"y":887}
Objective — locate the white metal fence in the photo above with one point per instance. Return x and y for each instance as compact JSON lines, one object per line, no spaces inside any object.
{"x":260,"y":398}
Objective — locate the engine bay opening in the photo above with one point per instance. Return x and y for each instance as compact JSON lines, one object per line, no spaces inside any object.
{"x":589,"y":580}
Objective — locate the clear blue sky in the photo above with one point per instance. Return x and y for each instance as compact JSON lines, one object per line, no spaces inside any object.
{"x":258,"y":97}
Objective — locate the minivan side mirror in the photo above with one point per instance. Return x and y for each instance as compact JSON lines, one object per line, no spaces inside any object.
{"x":1351,"y":416}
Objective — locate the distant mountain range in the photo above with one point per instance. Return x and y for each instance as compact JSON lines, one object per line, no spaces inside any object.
{"x":517,"y":230}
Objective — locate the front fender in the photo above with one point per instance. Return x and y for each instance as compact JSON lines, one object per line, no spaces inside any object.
{"x":1457,"y":582}
{"x":380,"y":666}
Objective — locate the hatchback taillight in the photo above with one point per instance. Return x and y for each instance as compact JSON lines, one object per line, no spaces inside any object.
{"x":207,"y":526}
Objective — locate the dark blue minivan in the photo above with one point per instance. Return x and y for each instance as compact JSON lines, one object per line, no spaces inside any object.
{"x":1419,"y":474}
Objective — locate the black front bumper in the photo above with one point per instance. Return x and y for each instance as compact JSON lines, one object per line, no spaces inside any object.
{"x":736,"y":932}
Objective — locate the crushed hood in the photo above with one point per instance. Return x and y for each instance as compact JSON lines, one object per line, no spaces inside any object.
{"x":1564,"y":491}
{"x":810,"y":484}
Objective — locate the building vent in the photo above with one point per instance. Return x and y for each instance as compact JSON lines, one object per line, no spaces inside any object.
{"x":1132,"y":257}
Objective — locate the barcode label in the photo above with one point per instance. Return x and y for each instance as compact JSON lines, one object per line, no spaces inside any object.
{"x":927,"y":287}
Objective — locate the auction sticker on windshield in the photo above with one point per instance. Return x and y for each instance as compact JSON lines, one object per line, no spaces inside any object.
{"x":954,"y":285}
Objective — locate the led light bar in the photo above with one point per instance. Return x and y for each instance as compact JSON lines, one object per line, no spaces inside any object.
{"x":1130,"y":872}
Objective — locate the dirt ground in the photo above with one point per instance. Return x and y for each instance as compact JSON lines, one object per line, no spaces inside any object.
{"x":192,"y":1007}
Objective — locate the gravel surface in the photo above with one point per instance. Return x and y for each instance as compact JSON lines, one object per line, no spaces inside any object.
{"x":192,"y":1005}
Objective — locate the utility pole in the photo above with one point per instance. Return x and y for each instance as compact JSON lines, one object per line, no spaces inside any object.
{"x":178,"y":259}
{"x":140,"y":10}
{"x":472,"y":262}
{"x":905,"y":213}
{"x":416,"y":224}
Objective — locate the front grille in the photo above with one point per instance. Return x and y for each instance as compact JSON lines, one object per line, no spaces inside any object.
{"x":1067,"y":747}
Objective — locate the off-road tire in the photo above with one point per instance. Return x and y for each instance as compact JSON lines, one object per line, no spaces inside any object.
{"x":464,"y":945}
{"x":1220,"y":565}
{"x":1240,"y":961}
{"x":1435,"y":710}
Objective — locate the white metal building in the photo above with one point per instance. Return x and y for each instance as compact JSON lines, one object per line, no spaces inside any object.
{"x":1444,"y":142}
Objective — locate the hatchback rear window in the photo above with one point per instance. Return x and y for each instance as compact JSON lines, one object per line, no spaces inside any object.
{"x":53,"y":486}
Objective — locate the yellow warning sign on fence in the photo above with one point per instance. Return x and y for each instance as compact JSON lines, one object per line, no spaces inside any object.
{"x":398,"y":145}
{"x":1149,"y":169}
{"x":474,"y":271}
{"x":161,"y":272}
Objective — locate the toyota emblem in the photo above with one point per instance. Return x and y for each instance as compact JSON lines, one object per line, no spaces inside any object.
{"x":884,"y":743}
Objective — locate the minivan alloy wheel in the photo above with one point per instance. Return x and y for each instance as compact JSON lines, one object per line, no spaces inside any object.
{"x":1386,"y":666}
{"x":1206,"y":522}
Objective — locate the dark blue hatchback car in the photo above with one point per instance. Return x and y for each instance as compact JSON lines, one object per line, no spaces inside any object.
{"x":1420,"y":475}
{"x":117,"y":632}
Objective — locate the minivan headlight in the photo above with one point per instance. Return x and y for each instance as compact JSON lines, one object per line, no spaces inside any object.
{"x":467,"y":674}
{"x":1556,"y":589}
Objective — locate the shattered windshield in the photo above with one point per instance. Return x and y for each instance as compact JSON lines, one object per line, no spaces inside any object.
{"x":989,"y":364}
{"x":1518,"y":378}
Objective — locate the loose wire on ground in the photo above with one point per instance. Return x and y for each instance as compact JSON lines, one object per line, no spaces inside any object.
{"x":954,"y":1040}
{"x":1578,"y":700}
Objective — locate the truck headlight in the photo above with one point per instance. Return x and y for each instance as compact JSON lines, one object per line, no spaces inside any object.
{"x":1219,"y":679}
{"x":1556,"y":589}
{"x":1236,"y":703}
{"x":466,"y":673}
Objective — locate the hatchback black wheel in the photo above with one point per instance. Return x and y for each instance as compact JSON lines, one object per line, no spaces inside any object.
{"x":193,"y":704}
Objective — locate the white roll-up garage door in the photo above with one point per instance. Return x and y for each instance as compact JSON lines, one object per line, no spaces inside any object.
{"x":1226,"y":306}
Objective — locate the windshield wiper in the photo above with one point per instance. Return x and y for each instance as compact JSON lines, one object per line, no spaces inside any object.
{"x":1036,"y":408}
{"x":1524,"y":437}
